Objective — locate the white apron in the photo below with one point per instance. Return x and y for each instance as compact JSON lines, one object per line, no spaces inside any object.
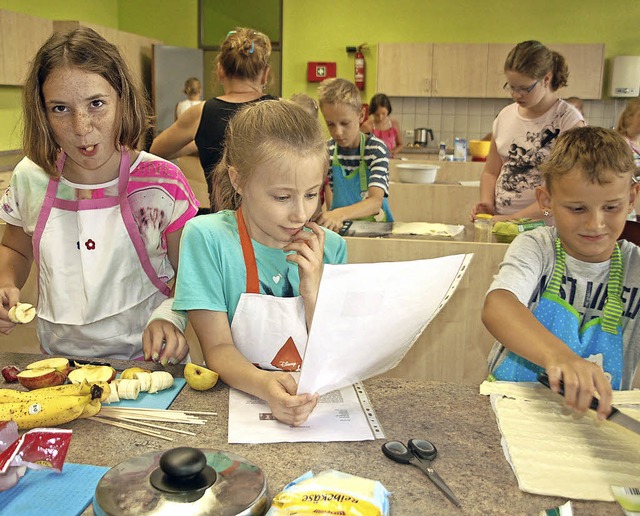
{"x":97,"y":286}
{"x":271,"y":332}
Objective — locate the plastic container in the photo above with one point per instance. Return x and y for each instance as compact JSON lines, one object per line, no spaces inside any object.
{"x":417,"y":173}
{"x":460,"y":149}
{"x":483,"y":228}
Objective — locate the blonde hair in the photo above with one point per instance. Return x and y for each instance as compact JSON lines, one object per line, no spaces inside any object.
{"x":86,"y":50}
{"x":596,"y":151}
{"x":260,"y":132}
{"x":629,"y":111}
{"x":533,"y":59}
{"x":340,"y":91}
{"x":245,"y":53}
{"x":308,"y":103}
{"x":192,"y":86}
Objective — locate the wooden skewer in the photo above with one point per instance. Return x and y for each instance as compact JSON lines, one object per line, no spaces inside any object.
{"x":159,"y":427}
{"x":130,"y":427}
{"x":200,"y":413}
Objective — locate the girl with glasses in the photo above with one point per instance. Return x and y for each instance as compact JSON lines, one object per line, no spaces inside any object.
{"x":524,"y":132}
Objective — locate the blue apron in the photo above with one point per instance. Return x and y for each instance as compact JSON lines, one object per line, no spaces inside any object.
{"x":351,"y":188}
{"x":601,"y":335}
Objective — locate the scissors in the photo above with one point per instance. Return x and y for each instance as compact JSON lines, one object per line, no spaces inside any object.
{"x":420,"y":453}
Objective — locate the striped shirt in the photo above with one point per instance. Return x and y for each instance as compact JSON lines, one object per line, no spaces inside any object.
{"x":376,"y":157}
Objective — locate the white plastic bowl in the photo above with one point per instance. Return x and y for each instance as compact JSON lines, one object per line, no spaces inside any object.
{"x":417,"y":173}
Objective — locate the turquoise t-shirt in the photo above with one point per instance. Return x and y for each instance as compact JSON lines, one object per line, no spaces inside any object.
{"x":212,"y":274}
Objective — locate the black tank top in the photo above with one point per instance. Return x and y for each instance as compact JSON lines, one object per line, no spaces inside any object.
{"x":210,"y":134}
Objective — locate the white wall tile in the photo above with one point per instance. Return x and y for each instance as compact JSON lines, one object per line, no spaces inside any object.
{"x":422,"y":106}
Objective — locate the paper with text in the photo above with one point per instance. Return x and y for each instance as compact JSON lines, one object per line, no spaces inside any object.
{"x":338,"y":416}
{"x":368,"y":315}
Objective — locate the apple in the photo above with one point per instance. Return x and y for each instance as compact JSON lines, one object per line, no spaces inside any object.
{"x":39,"y":378}
{"x":10,"y":373}
{"x":58,"y":363}
{"x":130,"y":373}
{"x":92,"y":374}
{"x":199,"y":378}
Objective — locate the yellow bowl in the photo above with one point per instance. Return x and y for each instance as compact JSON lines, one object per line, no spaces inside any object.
{"x":479,"y":148}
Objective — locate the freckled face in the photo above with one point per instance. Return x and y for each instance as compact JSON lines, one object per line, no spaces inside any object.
{"x":82,"y":109}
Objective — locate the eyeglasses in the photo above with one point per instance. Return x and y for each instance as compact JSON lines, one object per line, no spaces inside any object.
{"x":519,"y":89}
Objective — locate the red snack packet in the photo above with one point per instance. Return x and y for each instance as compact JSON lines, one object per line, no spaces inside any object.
{"x":36,"y":449}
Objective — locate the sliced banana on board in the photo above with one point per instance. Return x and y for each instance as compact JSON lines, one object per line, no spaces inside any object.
{"x":22,"y":313}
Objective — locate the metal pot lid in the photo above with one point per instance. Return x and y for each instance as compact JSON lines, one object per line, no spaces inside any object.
{"x":183,"y":481}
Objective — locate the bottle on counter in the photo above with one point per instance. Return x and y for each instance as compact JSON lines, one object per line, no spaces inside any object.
{"x":460,"y":149}
{"x":483,"y":228}
{"x":442,"y":153}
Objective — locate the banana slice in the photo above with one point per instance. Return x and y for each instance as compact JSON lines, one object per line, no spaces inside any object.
{"x":22,"y":313}
{"x":145,"y":380}
{"x":128,"y":389}
{"x":160,"y":380}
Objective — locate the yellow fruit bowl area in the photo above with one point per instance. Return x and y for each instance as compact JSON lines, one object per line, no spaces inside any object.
{"x":479,"y":148}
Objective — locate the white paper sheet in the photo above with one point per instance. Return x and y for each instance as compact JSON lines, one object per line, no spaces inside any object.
{"x":368,"y":315}
{"x":338,"y":416}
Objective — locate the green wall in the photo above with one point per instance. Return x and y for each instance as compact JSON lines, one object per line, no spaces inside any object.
{"x":320,"y":30}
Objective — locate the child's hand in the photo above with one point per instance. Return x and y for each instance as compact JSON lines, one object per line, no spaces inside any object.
{"x":331,"y":220}
{"x":581,"y":380}
{"x":482,"y":207}
{"x":9,"y":296}
{"x":163,"y":342}
{"x":309,"y":253}
{"x":286,"y":406}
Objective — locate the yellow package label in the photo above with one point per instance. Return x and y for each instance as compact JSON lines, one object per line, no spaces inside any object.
{"x":324,"y":502}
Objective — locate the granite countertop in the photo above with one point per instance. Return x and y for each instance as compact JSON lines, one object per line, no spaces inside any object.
{"x":458,"y":420}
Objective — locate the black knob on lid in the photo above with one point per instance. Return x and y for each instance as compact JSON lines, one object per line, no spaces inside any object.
{"x":183,"y":469}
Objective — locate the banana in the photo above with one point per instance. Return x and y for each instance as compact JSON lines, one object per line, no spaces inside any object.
{"x":145,"y":380}
{"x":128,"y":389}
{"x":22,"y":313}
{"x":41,"y":395}
{"x":55,"y":411}
{"x":160,"y":380}
{"x":90,"y":409}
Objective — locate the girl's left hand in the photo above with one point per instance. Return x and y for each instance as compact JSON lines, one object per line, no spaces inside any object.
{"x":163,"y":342}
{"x":309,"y":254}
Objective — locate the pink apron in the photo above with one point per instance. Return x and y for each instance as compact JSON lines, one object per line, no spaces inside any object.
{"x":97,"y":287}
{"x":271,"y":332}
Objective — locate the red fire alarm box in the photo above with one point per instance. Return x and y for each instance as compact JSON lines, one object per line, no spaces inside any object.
{"x":317,"y":72}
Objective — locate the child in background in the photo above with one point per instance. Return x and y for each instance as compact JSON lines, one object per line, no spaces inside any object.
{"x":628,"y":126}
{"x":359,"y":172}
{"x":193,"y":91}
{"x":307,"y":102}
{"x":565,"y":298}
{"x":382,"y":125}
{"x":250,"y":273}
{"x":102,"y":220}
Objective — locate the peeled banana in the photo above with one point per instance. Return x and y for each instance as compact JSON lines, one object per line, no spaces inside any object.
{"x":128,"y":389}
{"x":22,"y":313}
{"x":160,"y":380}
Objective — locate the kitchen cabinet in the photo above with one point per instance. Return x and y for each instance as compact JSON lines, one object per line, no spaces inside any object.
{"x":476,"y":70}
{"x":21,"y":36}
{"x":586,"y":69}
{"x":459,"y":70}
{"x":404,"y":69}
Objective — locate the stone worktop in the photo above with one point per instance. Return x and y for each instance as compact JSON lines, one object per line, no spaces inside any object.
{"x":458,"y":420}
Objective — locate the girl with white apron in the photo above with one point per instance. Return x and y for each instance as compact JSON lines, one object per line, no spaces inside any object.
{"x":97,"y":286}
{"x":270,"y":331}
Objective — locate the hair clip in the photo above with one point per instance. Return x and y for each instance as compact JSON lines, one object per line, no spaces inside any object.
{"x":253,"y":47}
{"x":231,"y":32}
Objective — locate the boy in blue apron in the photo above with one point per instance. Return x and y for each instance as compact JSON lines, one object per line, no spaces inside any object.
{"x":566,"y":298}
{"x":359,"y":168}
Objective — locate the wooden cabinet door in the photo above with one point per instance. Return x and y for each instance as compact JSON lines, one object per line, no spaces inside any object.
{"x":404,"y":69}
{"x":495,"y":69}
{"x":459,"y":70}
{"x":586,"y":69}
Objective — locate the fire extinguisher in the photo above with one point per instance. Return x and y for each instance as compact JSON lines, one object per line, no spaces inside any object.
{"x":359,"y":67}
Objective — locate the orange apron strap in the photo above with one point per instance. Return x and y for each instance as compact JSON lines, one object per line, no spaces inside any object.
{"x":253,"y":284}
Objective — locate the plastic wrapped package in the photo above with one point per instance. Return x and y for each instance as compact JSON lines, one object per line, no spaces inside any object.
{"x":331,"y":492}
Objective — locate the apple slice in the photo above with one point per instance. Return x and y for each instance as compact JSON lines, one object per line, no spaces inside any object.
{"x":39,"y":378}
{"x":58,"y":363}
{"x":10,"y":373}
{"x":92,"y":374}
